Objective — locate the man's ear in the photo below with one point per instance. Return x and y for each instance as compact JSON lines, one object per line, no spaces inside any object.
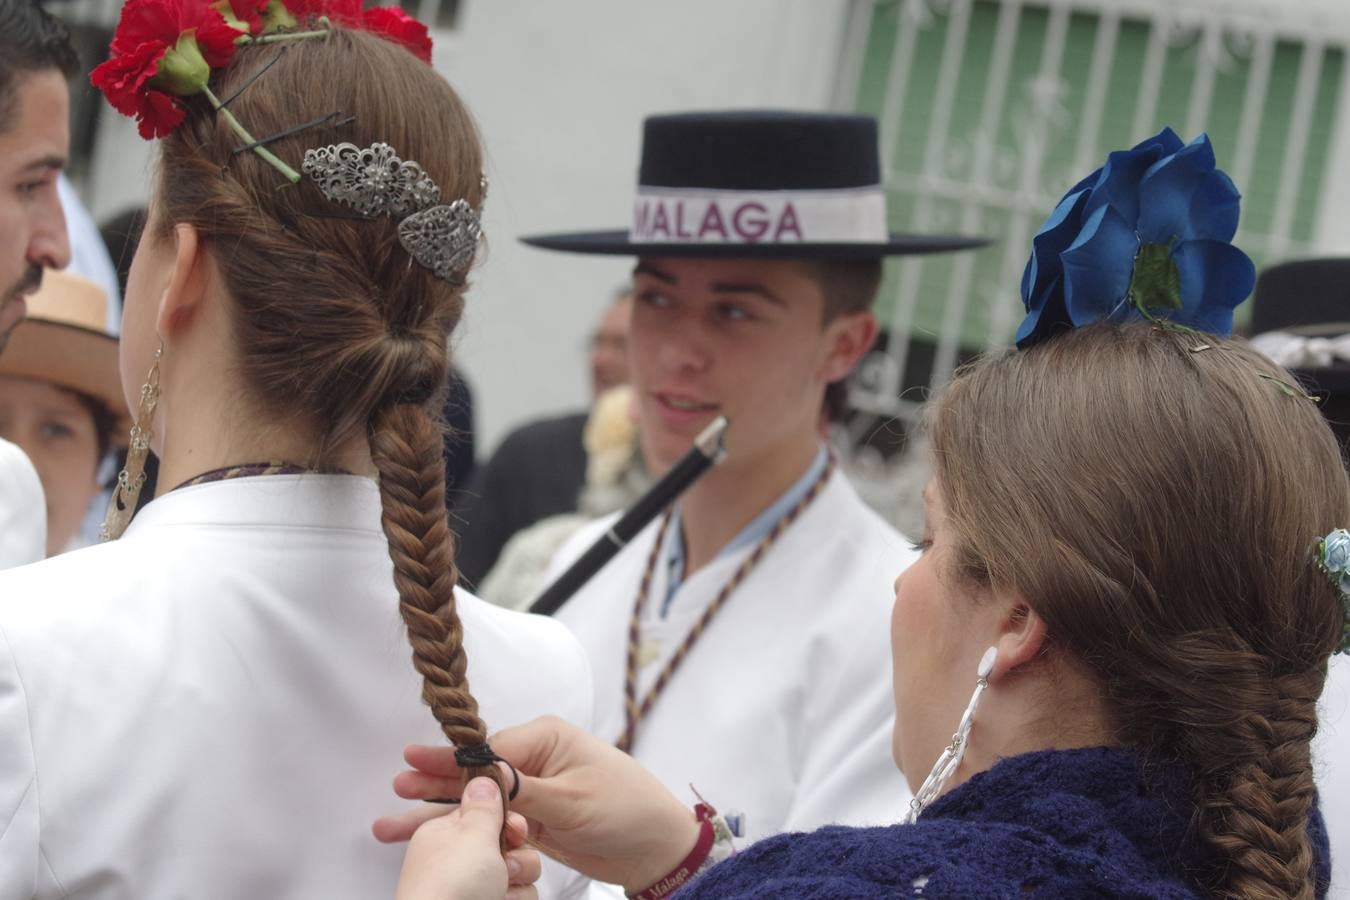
{"x":849,"y":337}
{"x":1021,"y":638}
{"x":186,"y":290}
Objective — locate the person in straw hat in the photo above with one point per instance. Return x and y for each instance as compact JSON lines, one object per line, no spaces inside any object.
{"x":60,"y":397}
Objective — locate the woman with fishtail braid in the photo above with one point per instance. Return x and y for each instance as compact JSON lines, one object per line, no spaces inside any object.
{"x":315,"y":214}
{"x":1107,"y":661}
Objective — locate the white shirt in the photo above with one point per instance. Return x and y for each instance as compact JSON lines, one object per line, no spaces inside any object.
{"x":23,"y":510}
{"x":214,"y":705}
{"x":783,"y":710}
{"x":1331,"y":769}
{"x":88,"y":254}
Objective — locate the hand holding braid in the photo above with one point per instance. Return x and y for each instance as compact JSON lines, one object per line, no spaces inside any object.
{"x":406,"y":446}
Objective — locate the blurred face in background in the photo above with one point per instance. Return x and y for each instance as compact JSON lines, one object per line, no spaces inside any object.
{"x":56,"y":429}
{"x":609,"y":347}
{"x":33,"y":148}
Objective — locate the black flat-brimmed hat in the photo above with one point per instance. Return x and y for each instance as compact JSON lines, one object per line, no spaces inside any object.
{"x":1307,"y":298}
{"x":784,"y":185}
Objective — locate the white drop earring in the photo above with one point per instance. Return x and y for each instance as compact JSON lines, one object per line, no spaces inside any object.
{"x":951,"y":757}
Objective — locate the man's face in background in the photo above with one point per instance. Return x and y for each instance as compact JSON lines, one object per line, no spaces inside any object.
{"x":34,"y":143}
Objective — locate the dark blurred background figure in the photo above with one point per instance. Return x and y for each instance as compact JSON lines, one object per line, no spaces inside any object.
{"x":609,"y":344}
{"x":121,"y":233}
{"x":459,"y":440}
{"x":1301,"y":319}
{"x":616,"y":475}
{"x":539,"y":469}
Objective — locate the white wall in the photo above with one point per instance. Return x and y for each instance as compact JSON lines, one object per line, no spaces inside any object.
{"x":560,"y":90}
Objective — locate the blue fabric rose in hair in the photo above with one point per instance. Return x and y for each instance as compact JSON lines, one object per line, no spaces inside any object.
{"x":1145,"y":236}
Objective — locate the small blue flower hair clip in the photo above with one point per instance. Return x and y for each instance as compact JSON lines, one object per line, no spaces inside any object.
{"x":1146,"y":236}
{"x":1333,"y":558}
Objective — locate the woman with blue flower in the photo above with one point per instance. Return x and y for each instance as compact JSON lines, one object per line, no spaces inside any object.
{"x":1133,"y":558}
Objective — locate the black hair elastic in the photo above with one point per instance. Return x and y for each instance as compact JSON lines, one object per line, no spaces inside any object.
{"x":416,"y":395}
{"x":480,"y":756}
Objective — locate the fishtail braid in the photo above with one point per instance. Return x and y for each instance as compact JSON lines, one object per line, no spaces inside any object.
{"x":406,"y":447}
{"x":1255,"y":813}
{"x":1209,"y":700}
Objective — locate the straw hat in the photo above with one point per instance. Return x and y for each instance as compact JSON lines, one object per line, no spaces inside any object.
{"x":64,"y":341}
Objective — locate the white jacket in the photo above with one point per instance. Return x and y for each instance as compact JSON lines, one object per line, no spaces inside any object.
{"x":23,"y":510}
{"x":214,"y":705}
{"x":783,"y":710}
{"x":1331,"y":770}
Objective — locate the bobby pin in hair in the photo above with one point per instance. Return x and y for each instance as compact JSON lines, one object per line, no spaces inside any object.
{"x":254,"y":77}
{"x":1288,"y":389}
{"x":343,"y":215}
{"x":322,"y":120}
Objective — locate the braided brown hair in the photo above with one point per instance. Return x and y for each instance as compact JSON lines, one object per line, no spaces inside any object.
{"x":1156,"y":497}
{"x":338,"y":331}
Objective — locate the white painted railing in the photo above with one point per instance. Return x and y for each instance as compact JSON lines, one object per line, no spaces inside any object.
{"x":977,"y":180}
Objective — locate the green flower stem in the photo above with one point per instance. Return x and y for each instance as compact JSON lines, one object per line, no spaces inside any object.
{"x":1161,"y":321}
{"x":291,"y":175}
{"x":287,"y":36}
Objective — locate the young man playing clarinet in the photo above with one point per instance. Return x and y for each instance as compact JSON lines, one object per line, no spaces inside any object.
{"x":739,"y":642}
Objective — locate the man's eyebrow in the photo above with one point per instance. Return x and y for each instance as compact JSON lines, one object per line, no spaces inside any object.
{"x":50,"y":161}
{"x":747,"y":287}
{"x":648,"y":269}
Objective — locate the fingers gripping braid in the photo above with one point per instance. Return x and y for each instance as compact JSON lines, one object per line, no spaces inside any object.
{"x":406,"y":446}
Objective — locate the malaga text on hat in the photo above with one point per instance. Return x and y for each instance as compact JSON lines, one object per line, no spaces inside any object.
{"x":757,"y":183}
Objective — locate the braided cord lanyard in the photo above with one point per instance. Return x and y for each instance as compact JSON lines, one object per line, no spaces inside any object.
{"x":633,"y":710}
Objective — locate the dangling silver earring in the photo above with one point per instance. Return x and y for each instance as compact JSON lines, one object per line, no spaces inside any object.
{"x":951,"y":757}
{"x":126,"y":493}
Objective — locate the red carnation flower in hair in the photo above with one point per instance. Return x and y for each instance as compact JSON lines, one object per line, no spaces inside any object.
{"x":164,"y":22}
{"x":122,"y":80}
{"x":393,"y":23}
{"x":339,"y":12}
{"x":246,"y":15}
{"x":163,"y":50}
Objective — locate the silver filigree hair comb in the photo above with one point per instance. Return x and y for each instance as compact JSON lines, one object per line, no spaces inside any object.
{"x":374,"y":181}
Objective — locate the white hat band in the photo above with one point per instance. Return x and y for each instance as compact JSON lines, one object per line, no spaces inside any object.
{"x":663,"y":215}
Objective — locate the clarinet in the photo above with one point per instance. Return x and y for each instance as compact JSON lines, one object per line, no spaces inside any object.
{"x":709,"y":448}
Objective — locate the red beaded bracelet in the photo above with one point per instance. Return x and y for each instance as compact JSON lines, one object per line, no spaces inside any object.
{"x":681,"y":874}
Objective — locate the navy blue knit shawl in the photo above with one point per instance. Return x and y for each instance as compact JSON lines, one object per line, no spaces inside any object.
{"x":1061,"y":823}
